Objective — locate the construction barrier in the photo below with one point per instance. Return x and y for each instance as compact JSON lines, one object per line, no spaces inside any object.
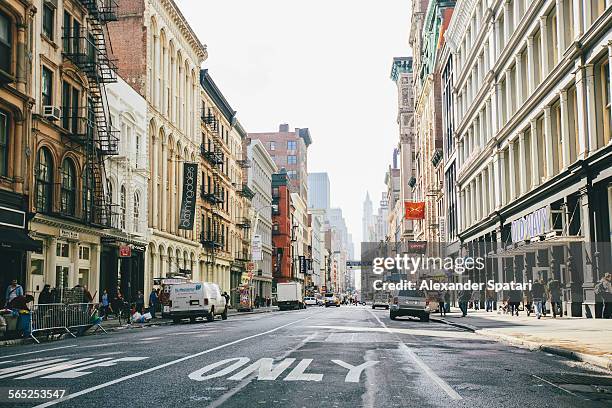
{"x":56,"y":318}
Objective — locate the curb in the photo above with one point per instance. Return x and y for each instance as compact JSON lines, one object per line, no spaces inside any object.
{"x":601,"y":362}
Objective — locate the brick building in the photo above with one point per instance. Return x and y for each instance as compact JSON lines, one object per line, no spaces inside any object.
{"x":281,"y":228}
{"x":289,"y":150}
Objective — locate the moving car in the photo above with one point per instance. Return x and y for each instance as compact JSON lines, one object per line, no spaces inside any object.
{"x":310,"y":301}
{"x":381,"y":299}
{"x":331,"y":300}
{"x":190,"y":300}
{"x":410,"y":303}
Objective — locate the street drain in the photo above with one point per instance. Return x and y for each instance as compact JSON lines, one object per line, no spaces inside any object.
{"x":580,"y":379}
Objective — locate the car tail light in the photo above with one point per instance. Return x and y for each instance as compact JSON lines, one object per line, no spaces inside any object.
{"x":205,"y":302}
{"x":395,"y":300}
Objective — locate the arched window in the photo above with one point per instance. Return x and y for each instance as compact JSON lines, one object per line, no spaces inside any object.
{"x":68,"y":195}
{"x":123,"y":207}
{"x":136,"y":212}
{"x":44,"y":181}
{"x":6,"y":42}
{"x":88,"y":188}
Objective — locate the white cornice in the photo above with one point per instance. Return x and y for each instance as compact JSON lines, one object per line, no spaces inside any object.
{"x":459,"y":23}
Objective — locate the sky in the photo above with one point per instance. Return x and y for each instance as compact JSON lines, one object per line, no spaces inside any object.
{"x":320,"y":64}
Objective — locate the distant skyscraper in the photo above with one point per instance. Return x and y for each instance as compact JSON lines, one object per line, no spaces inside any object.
{"x":367,"y":220}
{"x":318,"y":190}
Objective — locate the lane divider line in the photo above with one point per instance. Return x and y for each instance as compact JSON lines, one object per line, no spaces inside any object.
{"x":159,"y":367}
{"x":42,"y":351}
{"x":417,"y":360}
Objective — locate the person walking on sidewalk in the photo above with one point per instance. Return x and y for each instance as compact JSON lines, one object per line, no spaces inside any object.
{"x":514,"y":300}
{"x":554,"y":290}
{"x":489,"y":296}
{"x":105,"y":305}
{"x":603,"y":289}
{"x":153,"y":302}
{"x":537,"y":294}
{"x":12,"y":291}
{"x":527,"y":301}
{"x":464,"y":299}
{"x":140,"y":302}
{"x":441,"y":303}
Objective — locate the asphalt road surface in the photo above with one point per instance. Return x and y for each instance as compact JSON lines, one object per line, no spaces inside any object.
{"x":350,"y":356}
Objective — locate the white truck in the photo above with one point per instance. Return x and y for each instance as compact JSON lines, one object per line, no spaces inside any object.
{"x":192,"y":300}
{"x":289,"y":296}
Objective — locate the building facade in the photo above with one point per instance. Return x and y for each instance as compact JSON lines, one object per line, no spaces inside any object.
{"x":289,"y":150}
{"x":401,"y":74}
{"x":160,"y":56}
{"x":318,"y":191}
{"x":532,"y":125}
{"x":260,"y":181}
{"x":282,"y":231}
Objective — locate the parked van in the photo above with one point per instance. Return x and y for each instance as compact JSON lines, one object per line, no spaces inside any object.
{"x":192,"y":300}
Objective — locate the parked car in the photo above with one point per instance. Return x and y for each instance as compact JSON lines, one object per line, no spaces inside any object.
{"x":410,"y":303}
{"x":192,"y":300}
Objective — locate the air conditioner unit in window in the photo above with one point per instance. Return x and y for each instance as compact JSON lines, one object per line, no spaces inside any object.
{"x":51,"y":112}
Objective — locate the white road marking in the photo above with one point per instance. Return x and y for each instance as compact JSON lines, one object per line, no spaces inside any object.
{"x":42,"y":351}
{"x":152,"y":338}
{"x":238,"y":362}
{"x":105,"y":362}
{"x":103,"y":345}
{"x":417,"y":360}
{"x":59,"y":367}
{"x":556,"y":386}
{"x":222,"y":399}
{"x":265,"y":368}
{"x":161,"y":366}
{"x":354,"y":371}
{"x":298,"y":373}
{"x":22,"y":369}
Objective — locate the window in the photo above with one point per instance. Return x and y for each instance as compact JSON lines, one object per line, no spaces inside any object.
{"x":70,"y":107}
{"x":272,"y":146}
{"x":292,"y":174}
{"x":275,"y":192}
{"x":607,"y":101}
{"x":137,"y":148}
{"x":123,"y":208}
{"x":62,"y":249}
{"x":68,"y":196}
{"x":6,"y":43}
{"x":4,"y":147}
{"x":136,"y":211}
{"x":48,"y":23}
{"x":83,"y":277}
{"x":71,"y":34}
{"x":291,"y":145}
{"x":83,"y":253}
{"x":291,"y":159}
{"x":47,"y":86}
{"x":44,"y":181}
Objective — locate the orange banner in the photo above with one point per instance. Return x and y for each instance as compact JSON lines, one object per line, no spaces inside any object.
{"x":414,"y":210}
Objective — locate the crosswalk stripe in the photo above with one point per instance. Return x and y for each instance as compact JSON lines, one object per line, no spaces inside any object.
{"x":10,"y":371}
{"x":57,"y":367}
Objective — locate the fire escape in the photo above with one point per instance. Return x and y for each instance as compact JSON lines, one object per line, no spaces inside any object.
{"x":90,"y":126}
{"x":211,"y":152}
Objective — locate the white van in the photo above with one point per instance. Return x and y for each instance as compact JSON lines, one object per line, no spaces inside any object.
{"x":192,"y":300}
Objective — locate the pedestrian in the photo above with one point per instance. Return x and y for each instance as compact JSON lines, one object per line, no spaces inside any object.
{"x":603,"y":290}
{"x":447,"y":298}
{"x":87,"y":297}
{"x":527,"y":301}
{"x":537,"y":295}
{"x":256,"y":301}
{"x":45,"y":296}
{"x":554,"y":291}
{"x":227,"y":299}
{"x":476,"y":300}
{"x":268,"y":301}
{"x":12,"y":291}
{"x":153,"y":299}
{"x":514,"y":300}
{"x":489,"y":296}
{"x":19,"y":306}
{"x":139,"y":302}
{"x":464,"y":299}
{"x":441,"y":304}
{"x":105,"y":305}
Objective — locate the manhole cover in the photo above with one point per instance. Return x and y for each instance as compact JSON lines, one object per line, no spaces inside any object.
{"x":582,"y":379}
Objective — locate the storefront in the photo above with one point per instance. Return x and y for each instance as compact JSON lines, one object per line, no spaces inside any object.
{"x":14,"y":241}
{"x":122,"y":265}
{"x":68,"y":256}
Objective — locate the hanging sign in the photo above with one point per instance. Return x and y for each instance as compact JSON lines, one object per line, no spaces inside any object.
{"x":190,"y":185}
{"x":414,"y":210}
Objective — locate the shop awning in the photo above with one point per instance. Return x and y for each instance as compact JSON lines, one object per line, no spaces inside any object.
{"x":17,"y":239}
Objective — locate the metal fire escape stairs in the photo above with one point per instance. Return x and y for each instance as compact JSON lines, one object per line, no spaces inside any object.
{"x":90,"y":52}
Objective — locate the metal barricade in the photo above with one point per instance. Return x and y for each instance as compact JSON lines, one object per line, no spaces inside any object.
{"x":60,"y":317}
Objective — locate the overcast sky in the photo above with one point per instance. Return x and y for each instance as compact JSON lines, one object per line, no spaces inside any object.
{"x":321,"y":64}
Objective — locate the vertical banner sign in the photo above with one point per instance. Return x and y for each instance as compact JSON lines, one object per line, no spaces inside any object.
{"x":257,"y":248}
{"x":190,"y":187}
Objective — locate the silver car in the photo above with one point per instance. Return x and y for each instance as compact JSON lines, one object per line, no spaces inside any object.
{"x":410,"y":303}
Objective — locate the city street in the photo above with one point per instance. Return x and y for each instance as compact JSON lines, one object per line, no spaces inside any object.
{"x":350,"y":356}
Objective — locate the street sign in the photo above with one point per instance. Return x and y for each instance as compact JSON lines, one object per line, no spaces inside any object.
{"x":125,"y":251}
{"x":257,"y":248}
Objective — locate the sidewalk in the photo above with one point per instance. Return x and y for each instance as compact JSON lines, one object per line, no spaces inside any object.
{"x":588,"y":340}
{"x":111,"y":325}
